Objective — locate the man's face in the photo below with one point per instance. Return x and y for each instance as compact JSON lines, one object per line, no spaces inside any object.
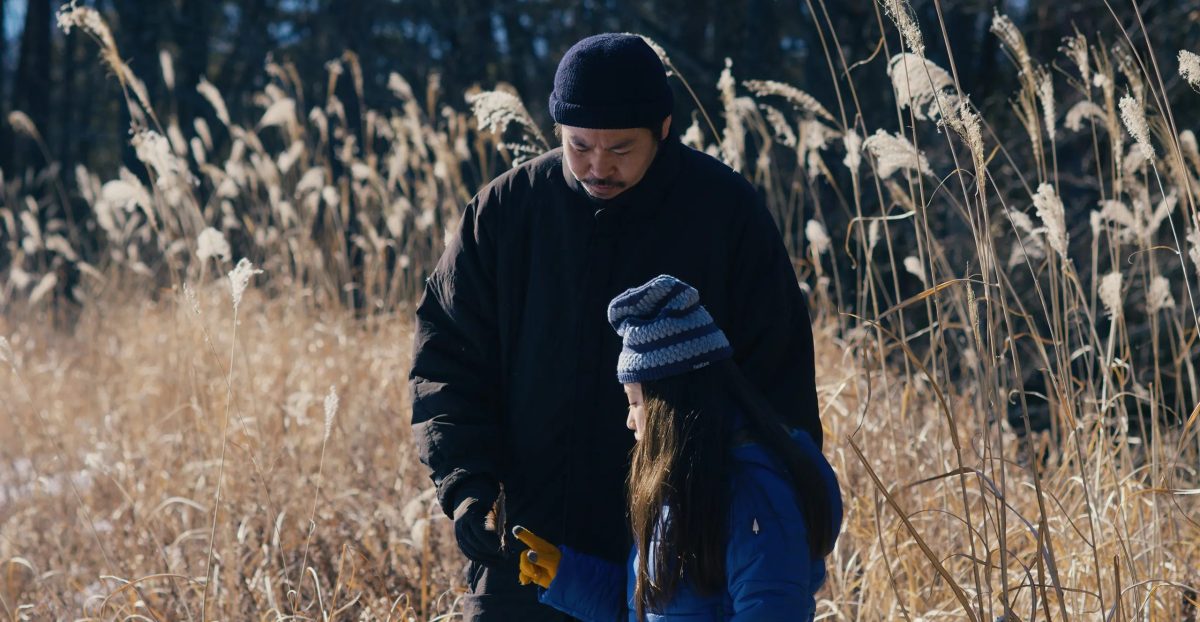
{"x":609,"y":162}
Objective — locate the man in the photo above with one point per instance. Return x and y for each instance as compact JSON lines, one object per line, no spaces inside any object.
{"x":513,"y":375}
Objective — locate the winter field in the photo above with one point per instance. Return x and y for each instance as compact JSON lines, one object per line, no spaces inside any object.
{"x":204,"y":387}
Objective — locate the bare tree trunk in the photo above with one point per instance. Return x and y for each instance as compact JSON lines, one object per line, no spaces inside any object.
{"x":5,"y":131}
{"x":3,"y":57}
{"x":31,"y":89}
{"x":195,"y":23}
{"x":65,"y":131}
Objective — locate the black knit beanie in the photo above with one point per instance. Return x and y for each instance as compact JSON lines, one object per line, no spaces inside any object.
{"x":610,"y":81}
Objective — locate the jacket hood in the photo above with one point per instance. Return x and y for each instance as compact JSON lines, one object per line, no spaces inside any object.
{"x":750,"y":452}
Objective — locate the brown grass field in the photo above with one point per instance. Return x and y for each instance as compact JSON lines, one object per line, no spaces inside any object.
{"x":177,"y":449}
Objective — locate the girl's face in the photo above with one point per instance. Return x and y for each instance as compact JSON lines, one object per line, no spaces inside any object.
{"x":636,"y":420}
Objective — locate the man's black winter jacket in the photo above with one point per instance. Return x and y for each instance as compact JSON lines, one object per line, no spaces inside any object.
{"x":514,"y":370}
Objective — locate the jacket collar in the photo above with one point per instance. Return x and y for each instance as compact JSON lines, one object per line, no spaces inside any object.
{"x":647,"y":192}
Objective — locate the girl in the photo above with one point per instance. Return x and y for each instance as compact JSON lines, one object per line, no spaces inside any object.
{"x":732,"y":513}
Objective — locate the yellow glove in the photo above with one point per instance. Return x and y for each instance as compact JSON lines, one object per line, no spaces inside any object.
{"x":540,"y":563}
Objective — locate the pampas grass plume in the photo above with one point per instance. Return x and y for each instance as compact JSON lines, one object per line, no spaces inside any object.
{"x":1134,"y":117}
{"x":1189,"y":68}
{"x":211,"y":243}
{"x":1050,"y":211}
{"x":239,"y":278}
{"x":331,"y":408}
{"x":817,"y":237}
{"x":1110,"y":294}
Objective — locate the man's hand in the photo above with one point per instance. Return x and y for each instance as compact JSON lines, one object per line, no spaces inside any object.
{"x":540,"y":563}
{"x":474,"y":524}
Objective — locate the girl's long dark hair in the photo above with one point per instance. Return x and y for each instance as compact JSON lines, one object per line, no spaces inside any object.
{"x":683,"y":464}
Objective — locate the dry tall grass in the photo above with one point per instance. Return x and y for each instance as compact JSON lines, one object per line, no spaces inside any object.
{"x":111,"y":465}
{"x":173,"y":457}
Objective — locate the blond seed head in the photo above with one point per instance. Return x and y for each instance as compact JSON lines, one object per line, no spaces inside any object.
{"x":331,"y":407}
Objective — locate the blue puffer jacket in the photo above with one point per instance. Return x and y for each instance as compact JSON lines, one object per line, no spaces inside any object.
{"x":771,"y":574}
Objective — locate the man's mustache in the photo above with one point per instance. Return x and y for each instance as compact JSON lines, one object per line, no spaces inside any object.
{"x":603,"y":183}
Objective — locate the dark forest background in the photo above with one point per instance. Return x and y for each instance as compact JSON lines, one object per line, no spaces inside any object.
{"x":449,"y":46}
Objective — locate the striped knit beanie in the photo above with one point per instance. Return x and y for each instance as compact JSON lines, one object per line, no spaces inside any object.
{"x":665,"y":331}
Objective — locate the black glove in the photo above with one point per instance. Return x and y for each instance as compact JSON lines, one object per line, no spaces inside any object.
{"x":474,"y":529}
